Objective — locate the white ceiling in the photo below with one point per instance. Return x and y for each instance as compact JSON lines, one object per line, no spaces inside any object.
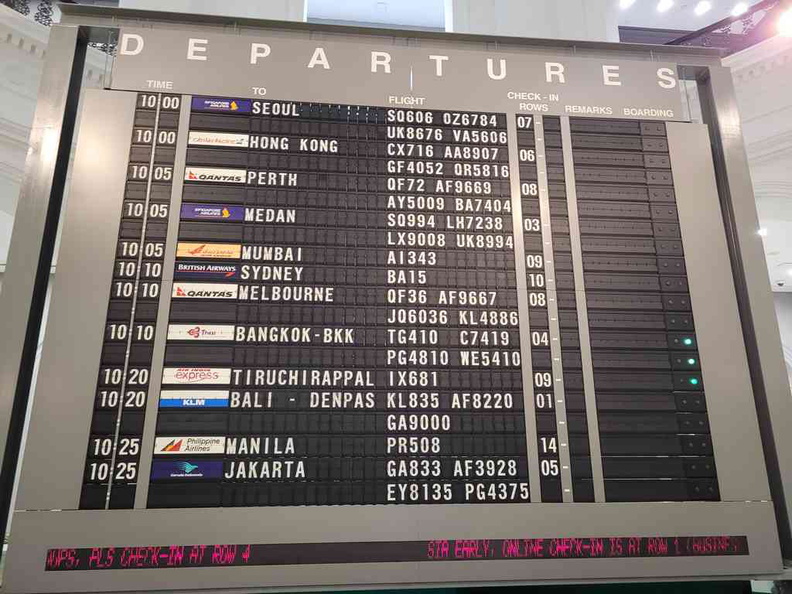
{"x":681,"y":16}
{"x":431,"y":13}
{"x":407,"y":13}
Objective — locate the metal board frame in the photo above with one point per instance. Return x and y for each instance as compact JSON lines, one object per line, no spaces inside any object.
{"x":750,"y":516}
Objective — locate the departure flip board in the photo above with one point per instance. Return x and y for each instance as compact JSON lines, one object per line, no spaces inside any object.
{"x":389,"y":340}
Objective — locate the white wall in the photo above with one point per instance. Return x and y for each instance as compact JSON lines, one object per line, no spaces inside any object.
{"x":783,"y":305}
{"x":591,"y":20}
{"x":282,"y":10}
{"x":23,"y":46}
{"x":763,"y":81}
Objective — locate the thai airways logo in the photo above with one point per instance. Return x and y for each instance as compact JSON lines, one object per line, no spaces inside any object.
{"x":221,"y":104}
{"x":187,"y":249}
{"x":186,"y":469}
{"x":212,"y":212}
{"x":189,"y":445}
{"x":226,"y":139}
{"x":205,"y":291}
{"x":215,"y":174}
{"x":203,"y":271}
{"x":196,"y":375}
{"x":194,"y":399}
{"x":200,"y":332}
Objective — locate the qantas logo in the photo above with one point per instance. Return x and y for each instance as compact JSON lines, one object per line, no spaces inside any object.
{"x":205,"y":291}
{"x":213,"y":174}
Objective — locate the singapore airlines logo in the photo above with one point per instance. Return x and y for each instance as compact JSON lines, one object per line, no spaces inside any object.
{"x":234,"y":106}
{"x":226,"y":213}
{"x":173,"y":446}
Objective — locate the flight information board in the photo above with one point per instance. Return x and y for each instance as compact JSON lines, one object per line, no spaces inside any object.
{"x":313,"y":334}
{"x":344,"y":325}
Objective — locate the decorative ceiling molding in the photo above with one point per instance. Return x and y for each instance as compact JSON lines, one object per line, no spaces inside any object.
{"x":760,"y":59}
{"x":776,"y":147}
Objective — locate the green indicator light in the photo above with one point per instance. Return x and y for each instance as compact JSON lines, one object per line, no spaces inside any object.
{"x":694,"y":381}
{"x":687,"y":341}
{"x":691,"y":361}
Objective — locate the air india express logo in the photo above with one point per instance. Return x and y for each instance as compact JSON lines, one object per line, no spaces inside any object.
{"x":215,"y":174}
{"x":196,"y":375}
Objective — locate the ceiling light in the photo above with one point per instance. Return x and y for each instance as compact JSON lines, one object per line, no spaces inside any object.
{"x":762,"y":232}
{"x":785,"y":23}
{"x":702,"y":7}
{"x":664,"y":5}
{"x":625,"y":4}
{"x":739,"y":8}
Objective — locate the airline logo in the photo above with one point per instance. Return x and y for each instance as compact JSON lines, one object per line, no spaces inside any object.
{"x":205,"y":271}
{"x":212,"y":212}
{"x":215,"y":174}
{"x":186,"y":469}
{"x":208,"y":250}
{"x":200,"y":332}
{"x":221,"y":104}
{"x":194,"y":399}
{"x":189,"y":445}
{"x":205,"y":291}
{"x":197,"y":375}
{"x":218,"y":139}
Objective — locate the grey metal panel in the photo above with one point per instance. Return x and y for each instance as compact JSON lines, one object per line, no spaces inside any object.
{"x":61,"y":416}
{"x":592,"y":418}
{"x":771,"y":383}
{"x":166,"y":288}
{"x":37,"y":530}
{"x":522,"y":308}
{"x":554,"y":327}
{"x":724,"y":367}
{"x":30,"y":218}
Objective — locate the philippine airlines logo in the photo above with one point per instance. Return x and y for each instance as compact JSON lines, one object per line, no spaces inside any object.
{"x":215,"y":174}
{"x":200,"y":332}
{"x":194,"y":399}
{"x":221,"y":104}
{"x":186,"y":469}
{"x":189,"y":445}
{"x":201,"y":270}
{"x":205,"y":291}
{"x":212,"y":212}
{"x":208,"y":250}
{"x":196,"y":375}
{"x":218,"y":139}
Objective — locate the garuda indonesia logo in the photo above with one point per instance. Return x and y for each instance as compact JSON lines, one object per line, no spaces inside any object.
{"x":186,"y":467}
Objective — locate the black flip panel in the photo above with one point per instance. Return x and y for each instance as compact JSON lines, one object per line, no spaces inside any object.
{"x":631,"y":244}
